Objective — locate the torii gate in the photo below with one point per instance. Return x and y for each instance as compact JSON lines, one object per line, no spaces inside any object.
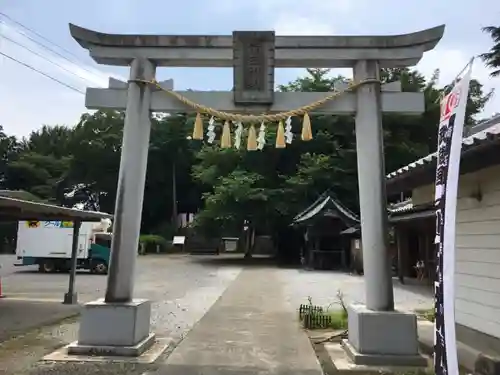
{"x":253,"y":56}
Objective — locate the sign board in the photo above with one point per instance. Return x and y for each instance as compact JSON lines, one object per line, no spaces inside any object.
{"x":253,"y":67}
{"x":179,"y":240}
{"x":49,"y":224}
{"x":356,"y":244}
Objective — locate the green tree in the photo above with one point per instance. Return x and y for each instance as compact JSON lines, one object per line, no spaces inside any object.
{"x":269,"y":187}
{"x":492,"y":57}
{"x":9,"y":148}
{"x":95,"y":145}
{"x":171,"y":156}
{"x":49,"y":140}
{"x":37,"y":174}
{"x":265,"y":188}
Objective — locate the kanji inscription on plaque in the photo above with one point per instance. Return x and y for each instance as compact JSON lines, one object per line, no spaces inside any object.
{"x":253,"y":63}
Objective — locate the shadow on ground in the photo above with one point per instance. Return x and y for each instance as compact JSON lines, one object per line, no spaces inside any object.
{"x":18,"y":316}
{"x":238,"y":260}
{"x":414,"y":287}
{"x":35,"y":271}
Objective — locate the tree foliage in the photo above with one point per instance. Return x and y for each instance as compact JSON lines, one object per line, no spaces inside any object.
{"x":224,"y":187}
{"x":492,"y":57}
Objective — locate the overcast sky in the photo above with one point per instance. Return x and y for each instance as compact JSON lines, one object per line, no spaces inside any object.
{"x":29,"y":100}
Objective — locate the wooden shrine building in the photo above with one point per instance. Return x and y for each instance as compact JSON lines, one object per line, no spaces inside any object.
{"x":321,"y":225}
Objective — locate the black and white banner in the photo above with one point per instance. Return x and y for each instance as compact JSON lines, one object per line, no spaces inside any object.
{"x":451,"y":126}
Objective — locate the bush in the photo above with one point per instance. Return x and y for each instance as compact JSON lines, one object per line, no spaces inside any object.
{"x":165,"y":229}
{"x":150,"y":241}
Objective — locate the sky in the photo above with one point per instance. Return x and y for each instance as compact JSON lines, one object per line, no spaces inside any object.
{"x":29,"y":100}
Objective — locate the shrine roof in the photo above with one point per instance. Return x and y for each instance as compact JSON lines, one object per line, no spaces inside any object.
{"x":327,"y":206}
{"x":412,"y":212}
{"x":480,"y":140}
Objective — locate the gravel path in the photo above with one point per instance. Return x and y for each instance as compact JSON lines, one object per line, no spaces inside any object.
{"x":322,"y":287}
{"x":181,"y":289}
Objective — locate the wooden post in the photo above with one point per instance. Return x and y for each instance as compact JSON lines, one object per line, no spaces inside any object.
{"x":399,"y":244}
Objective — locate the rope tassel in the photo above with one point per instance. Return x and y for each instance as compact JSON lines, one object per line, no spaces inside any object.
{"x":225,"y":141}
{"x":280,"y":136}
{"x":239,"y":119}
{"x":252,"y":139}
{"x":306,"y":128}
{"x":198,"y":128}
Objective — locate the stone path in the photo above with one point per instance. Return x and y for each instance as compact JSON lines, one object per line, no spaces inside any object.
{"x":251,"y":329}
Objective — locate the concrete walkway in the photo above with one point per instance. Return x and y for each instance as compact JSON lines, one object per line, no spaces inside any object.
{"x":251,"y":329}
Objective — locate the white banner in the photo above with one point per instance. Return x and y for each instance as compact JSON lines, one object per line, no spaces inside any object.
{"x":450,"y":132}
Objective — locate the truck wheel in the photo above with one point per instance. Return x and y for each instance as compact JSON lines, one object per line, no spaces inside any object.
{"x":99,"y":267}
{"x":47,"y":266}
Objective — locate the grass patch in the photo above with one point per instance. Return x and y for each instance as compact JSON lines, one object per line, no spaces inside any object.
{"x":338,"y":319}
{"x":428,"y":314}
{"x":317,"y":317}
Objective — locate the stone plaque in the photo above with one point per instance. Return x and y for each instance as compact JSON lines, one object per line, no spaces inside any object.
{"x":253,"y":63}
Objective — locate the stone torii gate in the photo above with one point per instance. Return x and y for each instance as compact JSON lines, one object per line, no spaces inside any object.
{"x":377,"y":333}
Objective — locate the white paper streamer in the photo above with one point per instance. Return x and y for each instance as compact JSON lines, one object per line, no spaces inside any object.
{"x":288,"y":130}
{"x":211,"y":132}
{"x":237,"y":135}
{"x":261,"y":138}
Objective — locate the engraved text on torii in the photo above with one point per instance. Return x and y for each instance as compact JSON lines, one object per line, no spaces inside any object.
{"x":253,"y":61}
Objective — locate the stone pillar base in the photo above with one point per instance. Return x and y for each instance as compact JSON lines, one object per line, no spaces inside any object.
{"x":120,"y":329}
{"x":70,"y":299}
{"x":382,"y":338}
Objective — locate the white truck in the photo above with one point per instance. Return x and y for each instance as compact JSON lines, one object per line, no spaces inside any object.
{"x":48,"y":245}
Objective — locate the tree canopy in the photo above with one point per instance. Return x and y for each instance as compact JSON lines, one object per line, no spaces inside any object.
{"x":492,"y":57}
{"x":223,"y":187}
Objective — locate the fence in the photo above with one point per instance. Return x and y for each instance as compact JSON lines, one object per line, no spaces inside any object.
{"x":314,"y":317}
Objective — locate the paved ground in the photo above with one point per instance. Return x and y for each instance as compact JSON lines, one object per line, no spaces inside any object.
{"x":181,"y":291}
{"x":18,"y":316}
{"x":322,"y":287}
{"x":257,"y":309}
{"x":7,"y":265}
{"x":250,"y":330}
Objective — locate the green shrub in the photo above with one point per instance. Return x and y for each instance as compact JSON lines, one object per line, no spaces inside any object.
{"x":150,"y":241}
{"x":165,"y":229}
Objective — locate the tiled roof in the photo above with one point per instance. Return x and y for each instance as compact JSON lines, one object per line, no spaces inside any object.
{"x":489,"y":134}
{"x":323,"y":204}
{"x":401,"y":207}
{"x":411,"y":208}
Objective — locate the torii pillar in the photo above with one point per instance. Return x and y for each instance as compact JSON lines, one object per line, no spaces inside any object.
{"x":378,"y":335}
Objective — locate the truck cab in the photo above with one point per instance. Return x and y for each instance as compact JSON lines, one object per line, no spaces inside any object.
{"x":99,"y":253}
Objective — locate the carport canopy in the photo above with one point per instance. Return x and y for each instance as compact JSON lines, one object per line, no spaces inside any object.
{"x":12,"y":209}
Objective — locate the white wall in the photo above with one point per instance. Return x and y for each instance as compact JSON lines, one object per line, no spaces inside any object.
{"x":477,"y":303}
